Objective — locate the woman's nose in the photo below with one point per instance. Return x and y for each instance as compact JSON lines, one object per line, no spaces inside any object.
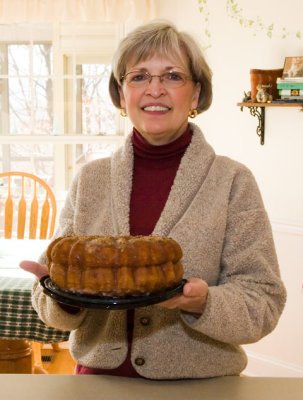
{"x":155,"y":87}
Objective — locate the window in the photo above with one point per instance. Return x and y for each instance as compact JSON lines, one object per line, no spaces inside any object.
{"x":56,"y":113}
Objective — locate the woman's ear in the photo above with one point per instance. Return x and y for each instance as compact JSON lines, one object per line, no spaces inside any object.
{"x":122,"y":98}
{"x":196,"y":95}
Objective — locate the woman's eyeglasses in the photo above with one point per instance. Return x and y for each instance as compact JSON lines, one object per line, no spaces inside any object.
{"x":141,"y":79}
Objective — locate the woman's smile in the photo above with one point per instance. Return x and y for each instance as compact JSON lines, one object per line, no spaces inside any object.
{"x":156,"y":108}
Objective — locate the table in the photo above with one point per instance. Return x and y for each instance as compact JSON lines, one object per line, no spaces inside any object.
{"x":18,"y":320}
{"x":92,"y":387}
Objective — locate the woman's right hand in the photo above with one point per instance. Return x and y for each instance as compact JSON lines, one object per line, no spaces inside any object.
{"x":40,"y":271}
{"x":35,"y":268}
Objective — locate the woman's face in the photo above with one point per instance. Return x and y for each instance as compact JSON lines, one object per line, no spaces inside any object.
{"x":159,"y":111}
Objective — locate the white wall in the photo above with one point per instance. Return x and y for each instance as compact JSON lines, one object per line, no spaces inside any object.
{"x":278,"y":165}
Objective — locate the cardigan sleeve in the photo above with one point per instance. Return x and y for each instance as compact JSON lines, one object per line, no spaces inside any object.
{"x":49,"y":311}
{"x":249,"y":297}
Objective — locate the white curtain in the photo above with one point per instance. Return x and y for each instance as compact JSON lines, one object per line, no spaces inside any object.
{"x":37,"y":11}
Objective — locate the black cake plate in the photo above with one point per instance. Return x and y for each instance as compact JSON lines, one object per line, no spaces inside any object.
{"x":107,"y":302}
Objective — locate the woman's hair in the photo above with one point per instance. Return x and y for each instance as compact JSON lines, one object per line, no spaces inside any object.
{"x":161,"y":37}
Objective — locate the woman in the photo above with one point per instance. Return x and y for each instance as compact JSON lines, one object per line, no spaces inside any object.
{"x":167,"y":180}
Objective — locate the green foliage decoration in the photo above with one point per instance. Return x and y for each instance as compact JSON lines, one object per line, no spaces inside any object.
{"x":203,"y":9}
{"x":257,"y":25}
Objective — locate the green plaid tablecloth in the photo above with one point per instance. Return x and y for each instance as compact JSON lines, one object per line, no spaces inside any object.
{"x":18,"y":319}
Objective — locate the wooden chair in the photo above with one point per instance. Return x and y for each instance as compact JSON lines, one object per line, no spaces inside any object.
{"x":27,"y":210}
{"x":22,"y":195}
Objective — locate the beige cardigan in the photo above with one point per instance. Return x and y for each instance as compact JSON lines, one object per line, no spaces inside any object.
{"x":216,"y":213}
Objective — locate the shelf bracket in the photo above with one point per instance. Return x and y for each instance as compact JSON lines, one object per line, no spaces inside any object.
{"x":259,"y":112}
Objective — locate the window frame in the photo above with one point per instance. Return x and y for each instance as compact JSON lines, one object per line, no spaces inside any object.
{"x":72,"y":43}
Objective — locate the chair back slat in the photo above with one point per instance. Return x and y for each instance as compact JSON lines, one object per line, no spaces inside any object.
{"x":8,"y":213}
{"x":20,"y":220}
{"x":44,"y":219}
{"x":21,"y":213}
{"x":33,"y":223}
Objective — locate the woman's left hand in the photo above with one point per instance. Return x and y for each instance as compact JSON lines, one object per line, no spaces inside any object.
{"x":192,"y":299}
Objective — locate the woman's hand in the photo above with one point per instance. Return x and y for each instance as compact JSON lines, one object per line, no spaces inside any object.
{"x":35,"y":268}
{"x":193,"y":298}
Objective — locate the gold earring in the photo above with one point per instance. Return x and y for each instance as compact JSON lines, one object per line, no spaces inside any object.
{"x":192,"y":113}
{"x":123,"y":112}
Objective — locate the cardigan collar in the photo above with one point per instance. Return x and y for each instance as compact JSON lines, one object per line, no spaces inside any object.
{"x":190,"y":176}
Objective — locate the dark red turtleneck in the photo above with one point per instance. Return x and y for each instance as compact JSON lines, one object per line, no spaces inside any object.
{"x":155,"y":169}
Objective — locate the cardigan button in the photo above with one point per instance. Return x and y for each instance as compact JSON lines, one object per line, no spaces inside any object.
{"x":145,"y":321}
{"x":139,"y":361}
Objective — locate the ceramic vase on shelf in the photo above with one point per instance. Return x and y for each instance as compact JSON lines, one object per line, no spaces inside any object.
{"x":265,"y":77}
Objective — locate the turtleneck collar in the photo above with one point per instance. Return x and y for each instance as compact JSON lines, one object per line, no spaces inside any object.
{"x":144,"y":149}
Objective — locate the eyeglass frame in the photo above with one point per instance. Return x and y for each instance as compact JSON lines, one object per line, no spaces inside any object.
{"x":150,"y":77}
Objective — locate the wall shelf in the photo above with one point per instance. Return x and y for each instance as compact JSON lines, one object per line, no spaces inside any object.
{"x":258,"y":110}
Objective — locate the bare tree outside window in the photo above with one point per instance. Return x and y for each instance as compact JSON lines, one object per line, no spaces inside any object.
{"x":30,"y":89}
{"x":28,"y":102}
{"x":98,"y":115}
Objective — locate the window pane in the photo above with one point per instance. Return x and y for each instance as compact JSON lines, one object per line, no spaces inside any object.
{"x":42,"y":107}
{"x":19,"y":106}
{"x":3,"y":106}
{"x":33,"y":158}
{"x":92,"y":151}
{"x":18,"y":59}
{"x":98,"y":112}
{"x":42,"y":59}
{"x":30,"y":96}
{"x":31,"y":150}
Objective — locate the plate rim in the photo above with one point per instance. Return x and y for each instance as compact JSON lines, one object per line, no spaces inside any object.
{"x":107,"y":302}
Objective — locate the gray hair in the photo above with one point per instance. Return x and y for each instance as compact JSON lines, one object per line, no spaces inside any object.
{"x":161,"y":37}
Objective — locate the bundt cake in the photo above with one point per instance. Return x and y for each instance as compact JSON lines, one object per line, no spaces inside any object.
{"x":115,"y":265}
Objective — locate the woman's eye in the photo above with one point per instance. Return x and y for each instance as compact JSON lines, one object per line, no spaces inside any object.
{"x":138,"y":77}
{"x":174,"y":76}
